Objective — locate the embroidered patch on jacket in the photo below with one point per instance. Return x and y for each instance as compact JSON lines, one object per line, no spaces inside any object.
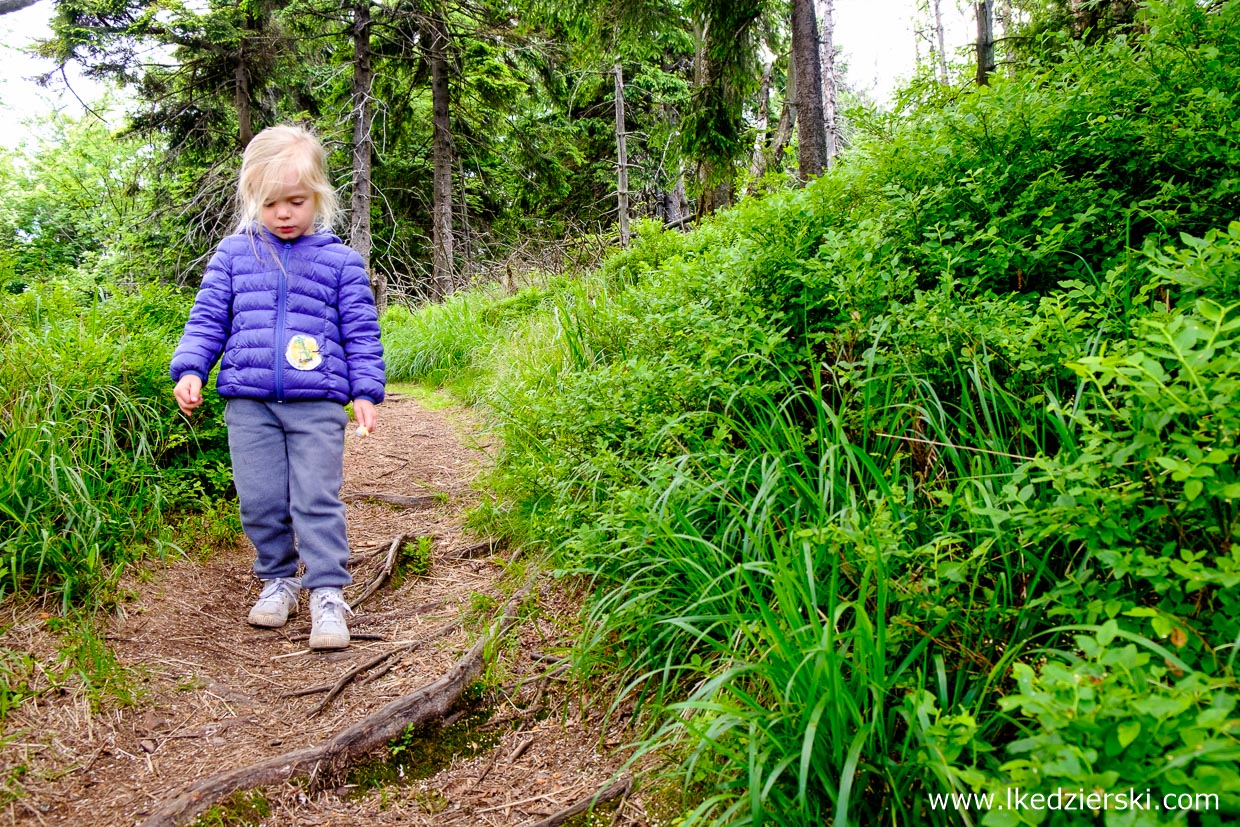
{"x":303,"y":352}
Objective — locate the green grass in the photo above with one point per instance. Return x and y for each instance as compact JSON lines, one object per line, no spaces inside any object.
{"x":860,"y":475}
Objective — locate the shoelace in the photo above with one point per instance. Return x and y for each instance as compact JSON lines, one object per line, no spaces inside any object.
{"x":272,"y":586}
{"x":335,"y":603}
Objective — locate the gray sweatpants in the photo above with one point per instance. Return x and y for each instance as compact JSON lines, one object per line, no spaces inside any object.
{"x":288,"y":466}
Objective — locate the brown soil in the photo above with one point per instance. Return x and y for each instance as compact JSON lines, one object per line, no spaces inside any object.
{"x":213,"y":691}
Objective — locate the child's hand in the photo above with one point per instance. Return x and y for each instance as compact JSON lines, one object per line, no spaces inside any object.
{"x":366,"y":415}
{"x":188,"y":393}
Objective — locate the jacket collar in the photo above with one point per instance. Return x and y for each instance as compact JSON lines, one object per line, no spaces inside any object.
{"x":311,"y":239}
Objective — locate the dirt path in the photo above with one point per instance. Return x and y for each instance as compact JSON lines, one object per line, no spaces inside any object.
{"x":214,"y":692}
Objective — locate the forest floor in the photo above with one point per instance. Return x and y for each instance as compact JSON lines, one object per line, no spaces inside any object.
{"x":213,"y":694}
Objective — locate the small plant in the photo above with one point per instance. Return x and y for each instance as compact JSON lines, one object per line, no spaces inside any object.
{"x":242,"y":809}
{"x":414,"y":560}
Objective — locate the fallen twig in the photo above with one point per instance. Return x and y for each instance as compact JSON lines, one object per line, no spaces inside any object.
{"x":520,"y":748}
{"x":392,"y":499}
{"x":427,"y":703}
{"x":343,"y":681}
{"x":384,"y":573}
{"x":484,"y":549}
{"x":616,"y":789}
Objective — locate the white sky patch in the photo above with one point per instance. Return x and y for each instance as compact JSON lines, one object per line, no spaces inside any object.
{"x":21,"y":98}
{"x":878,"y":44}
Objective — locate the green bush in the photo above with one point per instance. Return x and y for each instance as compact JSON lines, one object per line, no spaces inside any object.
{"x":864,"y":474}
{"x":93,"y":450}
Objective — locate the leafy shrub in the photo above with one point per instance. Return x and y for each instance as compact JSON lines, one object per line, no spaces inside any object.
{"x":93,"y":451}
{"x":1125,"y":719}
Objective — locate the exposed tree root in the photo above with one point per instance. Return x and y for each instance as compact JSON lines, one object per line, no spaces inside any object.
{"x":428,"y":703}
{"x":335,"y":689}
{"x":616,"y":789}
{"x":424,"y":501}
{"x":385,"y":572}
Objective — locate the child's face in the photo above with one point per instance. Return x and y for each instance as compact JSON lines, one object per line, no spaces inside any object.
{"x":290,"y":212}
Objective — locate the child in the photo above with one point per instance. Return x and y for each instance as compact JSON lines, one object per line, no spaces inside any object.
{"x":288,"y":306}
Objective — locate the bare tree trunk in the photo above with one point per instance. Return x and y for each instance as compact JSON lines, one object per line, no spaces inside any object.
{"x":985,"y":41}
{"x":363,"y":149}
{"x":811,"y":132}
{"x":787,"y":118}
{"x":783,"y":131}
{"x":467,"y":238}
{"x":757,"y":165}
{"x":939,"y":38}
{"x":829,"y":89}
{"x":441,"y":209}
{"x":677,"y":208}
{"x":245,"y":120}
{"x":622,"y":159}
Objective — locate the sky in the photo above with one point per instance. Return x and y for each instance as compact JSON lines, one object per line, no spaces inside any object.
{"x":20,"y":96}
{"x":875,"y":37}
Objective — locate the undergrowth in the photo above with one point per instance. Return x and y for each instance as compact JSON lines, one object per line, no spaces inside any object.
{"x":923,"y":479}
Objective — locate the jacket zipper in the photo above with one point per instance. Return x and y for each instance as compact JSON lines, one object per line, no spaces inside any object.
{"x":281,"y":300}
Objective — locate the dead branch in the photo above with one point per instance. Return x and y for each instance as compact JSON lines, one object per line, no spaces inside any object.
{"x":484,"y":549}
{"x":535,"y":706}
{"x":520,"y":748}
{"x":428,"y":703}
{"x":304,"y":636}
{"x":392,"y":499}
{"x":616,"y":789}
{"x":384,"y":573}
{"x":338,"y":687}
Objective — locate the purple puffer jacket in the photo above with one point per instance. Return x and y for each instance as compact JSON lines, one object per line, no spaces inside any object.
{"x":293,"y":320}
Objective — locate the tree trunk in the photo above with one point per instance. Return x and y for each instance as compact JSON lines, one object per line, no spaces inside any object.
{"x":245,"y":118}
{"x":939,"y":38}
{"x":829,"y":90}
{"x":757,"y":164}
{"x":442,"y":276}
{"x":363,"y":149}
{"x":622,"y":158}
{"x":985,"y":41}
{"x":811,"y":131}
{"x":783,"y":130}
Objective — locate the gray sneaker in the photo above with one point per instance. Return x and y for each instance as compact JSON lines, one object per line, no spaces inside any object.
{"x":276,"y":602}
{"x":327,"y":627}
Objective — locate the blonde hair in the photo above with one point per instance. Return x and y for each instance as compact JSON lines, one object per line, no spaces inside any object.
{"x":269,"y":158}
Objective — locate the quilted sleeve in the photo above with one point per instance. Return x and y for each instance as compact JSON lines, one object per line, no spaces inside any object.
{"x":359,"y":332}
{"x":206,"y":331}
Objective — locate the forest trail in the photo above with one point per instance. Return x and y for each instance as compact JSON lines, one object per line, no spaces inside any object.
{"x":214,"y":693}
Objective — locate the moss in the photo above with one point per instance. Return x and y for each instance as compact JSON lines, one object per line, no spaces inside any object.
{"x":247,"y":808}
{"x":422,"y":751}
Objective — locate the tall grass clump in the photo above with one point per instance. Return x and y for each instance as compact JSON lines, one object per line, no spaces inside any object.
{"x":92,"y":451}
{"x":449,"y":341}
{"x":922,"y":480}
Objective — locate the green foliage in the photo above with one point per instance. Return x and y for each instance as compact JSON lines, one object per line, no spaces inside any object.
{"x":69,"y":207}
{"x":92,"y":450}
{"x":1055,"y":173}
{"x":445,"y":340}
{"x":1123,"y":716}
{"x":840,"y":465}
{"x":241,"y":809}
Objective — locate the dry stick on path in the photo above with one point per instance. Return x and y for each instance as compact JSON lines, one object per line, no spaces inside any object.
{"x":430,"y":702}
{"x":616,"y":789}
{"x":343,"y":681}
{"x":392,"y":499}
{"x":389,"y":563}
{"x":484,"y":549}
